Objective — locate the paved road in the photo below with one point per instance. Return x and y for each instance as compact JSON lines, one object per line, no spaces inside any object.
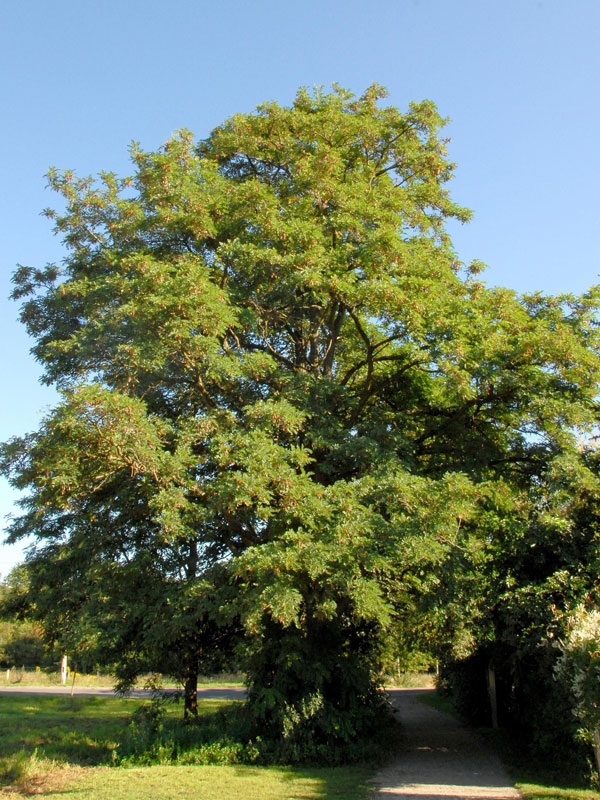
{"x":216,"y":692}
{"x":441,"y":759}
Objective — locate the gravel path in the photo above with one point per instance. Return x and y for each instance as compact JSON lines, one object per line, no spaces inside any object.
{"x":441,"y":759}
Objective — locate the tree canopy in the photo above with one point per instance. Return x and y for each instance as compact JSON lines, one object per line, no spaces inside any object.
{"x":288,"y":411}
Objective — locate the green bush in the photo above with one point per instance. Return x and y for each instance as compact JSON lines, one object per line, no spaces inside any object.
{"x":313,"y":694}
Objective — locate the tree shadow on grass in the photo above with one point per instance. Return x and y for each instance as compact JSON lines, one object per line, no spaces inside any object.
{"x":75,"y":730}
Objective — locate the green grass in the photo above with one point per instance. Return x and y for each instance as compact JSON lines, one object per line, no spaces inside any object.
{"x":192,"y":783}
{"x":535,"y":780}
{"x":440,"y":702}
{"x":55,"y":746}
{"x":78,"y":730}
{"x":534,"y":791}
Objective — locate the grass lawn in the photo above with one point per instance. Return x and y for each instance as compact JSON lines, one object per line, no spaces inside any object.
{"x":72,"y":741}
{"x":192,"y":783}
{"x":81,"y":730}
{"x":534,"y":780}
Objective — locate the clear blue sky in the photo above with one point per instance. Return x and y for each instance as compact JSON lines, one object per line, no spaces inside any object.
{"x":519,"y":79}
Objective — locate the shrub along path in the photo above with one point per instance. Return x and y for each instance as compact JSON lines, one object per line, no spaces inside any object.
{"x":441,"y":759}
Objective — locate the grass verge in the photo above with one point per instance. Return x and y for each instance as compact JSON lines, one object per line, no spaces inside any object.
{"x":38,"y":677}
{"x":190,"y":783}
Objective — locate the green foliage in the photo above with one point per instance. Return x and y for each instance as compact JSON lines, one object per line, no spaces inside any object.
{"x":541,"y":564}
{"x":21,"y":641}
{"x":218,"y":738}
{"x":22,"y":647}
{"x":226,"y":737}
{"x":579,"y":668}
{"x":291,"y":421}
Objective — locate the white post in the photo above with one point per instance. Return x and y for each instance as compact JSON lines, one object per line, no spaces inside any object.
{"x":63,"y":669}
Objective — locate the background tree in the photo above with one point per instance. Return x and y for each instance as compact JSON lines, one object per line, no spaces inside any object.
{"x":285,"y":407}
{"x":21,"y":641}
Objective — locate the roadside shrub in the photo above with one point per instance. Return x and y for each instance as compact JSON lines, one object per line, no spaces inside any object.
{"x":533,"y":706}
{"x":313,"y":695}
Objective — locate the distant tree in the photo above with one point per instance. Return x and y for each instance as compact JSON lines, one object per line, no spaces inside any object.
{"x":21,"y":641}
{"x":284,"y":404}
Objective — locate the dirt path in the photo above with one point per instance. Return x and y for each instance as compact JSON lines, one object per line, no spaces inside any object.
{"x":442,"y":759}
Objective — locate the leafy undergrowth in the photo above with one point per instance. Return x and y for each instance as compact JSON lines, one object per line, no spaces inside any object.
{"x":154,"y":736}
{"x":536,"y":779}
{"x":224,"y":736}
{"x":85,"y":731}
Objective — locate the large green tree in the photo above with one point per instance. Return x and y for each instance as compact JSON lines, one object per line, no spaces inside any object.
{"x":285,"y":403}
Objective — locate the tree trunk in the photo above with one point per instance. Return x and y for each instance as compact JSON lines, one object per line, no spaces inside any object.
{"x":190,"y":678}
{"x":491,"y":682}
{"x":190,"y":690}
{"x":596,"y":746}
